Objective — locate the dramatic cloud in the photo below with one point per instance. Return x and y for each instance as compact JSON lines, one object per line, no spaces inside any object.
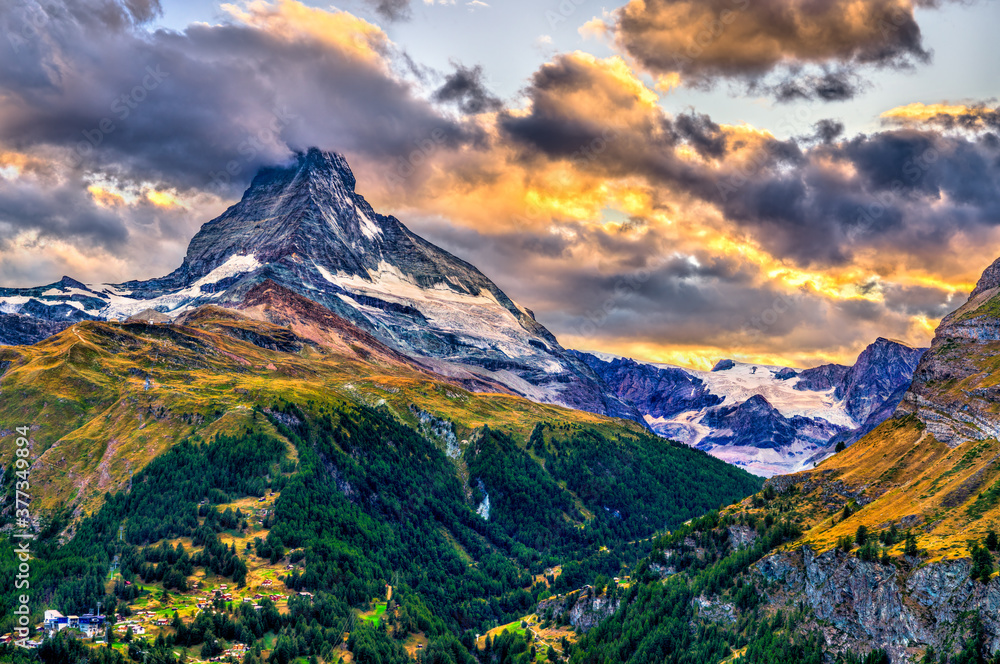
{"x":465,"y":88}
{"x":828,"y":130}
{"x":699,"y":41}
{"x":208,"y":106}
{"x":668,"y":236}
{"x":863,"y":233}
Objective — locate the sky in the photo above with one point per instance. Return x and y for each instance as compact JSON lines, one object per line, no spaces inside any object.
{"x":776,"y":181}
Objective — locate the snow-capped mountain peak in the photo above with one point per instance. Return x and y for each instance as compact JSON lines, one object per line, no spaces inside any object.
{"x":303,"y":226}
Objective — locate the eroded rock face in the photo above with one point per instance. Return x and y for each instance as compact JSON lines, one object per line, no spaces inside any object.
{"x":881,"y":369}
{"x":16,"y":329}
{"x":655,"y":391}
{"x":821,"y":378}
{"x":757,"y":420}
{"x":953,"y":391}
{"x":865,"y":605}
{"x":585,"y":607}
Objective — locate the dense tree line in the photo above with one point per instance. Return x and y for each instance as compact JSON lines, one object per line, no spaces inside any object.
{"x":163,"y":502}
{"x":372,"y":501}
{"x":638,"y":484}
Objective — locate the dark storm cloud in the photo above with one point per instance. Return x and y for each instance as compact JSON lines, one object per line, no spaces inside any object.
{"x":830,"y":86}
{"x":393,"y":10}
{"x":643,"y":291}
{"x":703,"y":40}
{"x":206,"y":107}
{"x":703,"y":134}
{"x":919,"y":300}
{"x":912,"y":190}
{"x":914,"y":187}
{"x":465,"y":88}
{"x":829,"y":130}
{"x":57,"y":212}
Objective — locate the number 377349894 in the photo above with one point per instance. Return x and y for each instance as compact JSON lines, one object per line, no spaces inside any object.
{"x":22,"y":487}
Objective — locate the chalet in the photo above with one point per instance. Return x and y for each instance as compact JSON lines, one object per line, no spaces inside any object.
{"x":305,"y":594}
{"x":55,"y":621}
{"x":162,"y":622}
{"x":6,"y":638}
{"x":276,"y":598}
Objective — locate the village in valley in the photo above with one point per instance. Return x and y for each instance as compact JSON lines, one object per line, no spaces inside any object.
{"x":156,"y":611}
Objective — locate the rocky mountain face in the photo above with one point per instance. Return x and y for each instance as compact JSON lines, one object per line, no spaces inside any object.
{"x":583,"y":608}
{"x":769,"y":420}
{"x":658,"y":392}
{"x":757,"y":420}
{"x":954,"y":390}
{"x":881,"y":369}
{"x":303,"y":226}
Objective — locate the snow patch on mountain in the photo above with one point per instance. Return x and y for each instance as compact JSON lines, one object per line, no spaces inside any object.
{"x":746,"y":380}
{"x":767,"y":419}
{"x":368,"y":227}
{"x":234,"y":266}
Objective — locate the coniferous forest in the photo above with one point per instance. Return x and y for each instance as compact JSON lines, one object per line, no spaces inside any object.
{"x":363,"y":501}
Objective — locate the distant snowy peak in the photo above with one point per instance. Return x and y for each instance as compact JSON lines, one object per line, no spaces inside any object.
{"x":778,"y":386}
{"x":768,"y":419}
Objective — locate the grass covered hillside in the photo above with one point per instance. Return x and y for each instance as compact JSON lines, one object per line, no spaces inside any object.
{"x":411,"y":511}
{"x":103,"y":399}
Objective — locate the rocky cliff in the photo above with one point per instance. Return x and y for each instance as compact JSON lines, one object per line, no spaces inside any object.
{"x":903,"y":607}
{"x":930,"y":477}
{"x":583,"y":608}
{"x":954,"y":391}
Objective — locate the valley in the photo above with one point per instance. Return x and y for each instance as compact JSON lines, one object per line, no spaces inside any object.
{"x":323,"y":439}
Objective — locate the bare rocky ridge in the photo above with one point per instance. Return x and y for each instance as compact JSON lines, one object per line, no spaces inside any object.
{"x":943,"y":494}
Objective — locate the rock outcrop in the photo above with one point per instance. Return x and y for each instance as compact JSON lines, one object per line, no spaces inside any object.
{"x":584,"y":607}
{"x":901,"y":608}
{"x":953,"y":389}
